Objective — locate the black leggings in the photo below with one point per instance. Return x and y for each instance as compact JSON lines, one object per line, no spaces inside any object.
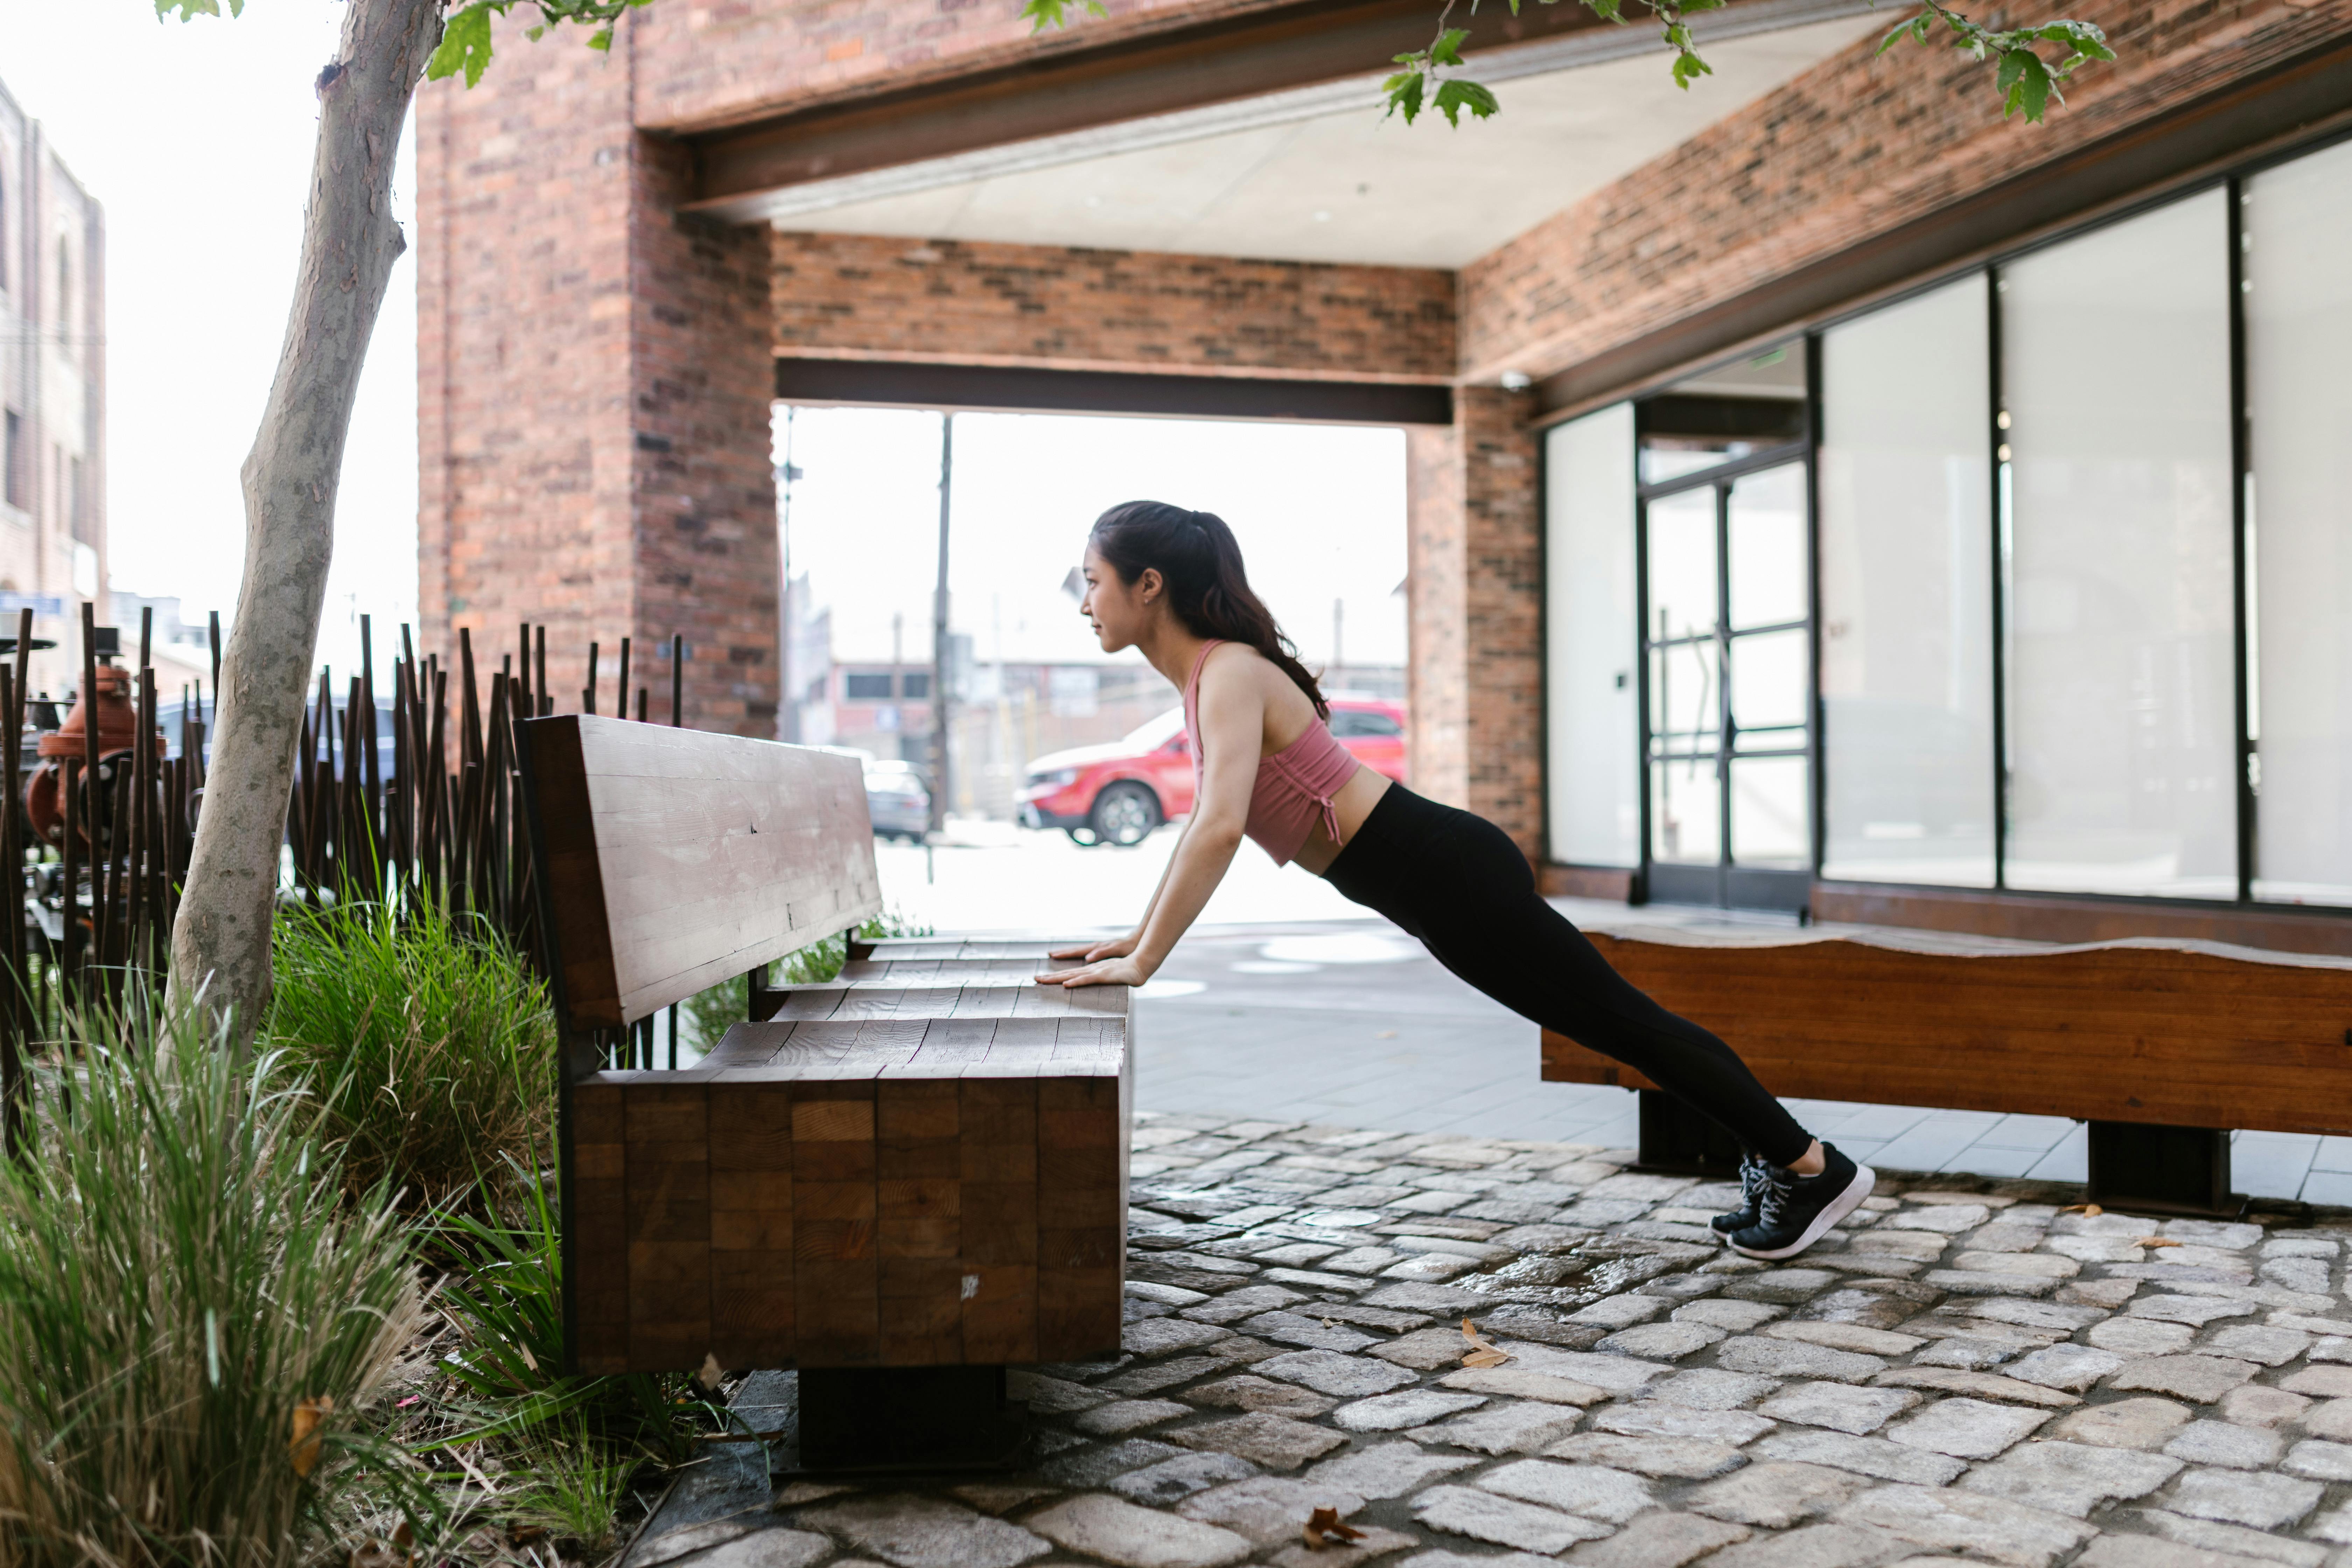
{"x":1459,"y":885}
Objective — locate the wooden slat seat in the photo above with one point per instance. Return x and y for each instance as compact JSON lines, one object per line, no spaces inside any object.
{"x":2149,"y":1032}
{"x":919,"y":1165}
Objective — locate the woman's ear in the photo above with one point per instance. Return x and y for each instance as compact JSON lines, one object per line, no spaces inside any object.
{"x":1149,"y":584}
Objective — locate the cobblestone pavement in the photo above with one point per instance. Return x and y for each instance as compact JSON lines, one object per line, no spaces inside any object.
{"x":1964,"y":1371}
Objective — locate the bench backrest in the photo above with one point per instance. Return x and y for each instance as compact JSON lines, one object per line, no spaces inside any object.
{"x":671,"y":859}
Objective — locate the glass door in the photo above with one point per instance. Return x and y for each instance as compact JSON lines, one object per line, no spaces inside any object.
{"x":1727,"y":654}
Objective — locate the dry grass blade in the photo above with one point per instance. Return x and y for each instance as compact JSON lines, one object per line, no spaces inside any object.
{"x":2091,"y":1210}
{"x":2154,"y":1241}
{"x":1482,"y":1352}
{"x":1323,"y":1525}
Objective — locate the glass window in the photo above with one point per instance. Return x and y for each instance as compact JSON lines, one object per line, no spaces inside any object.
{"x":914,"y":685}
{"x":2298,"y":227}
{"x":1720,"y":415}
{"x":1592,"y":637}
{"x":1907,"y":592}
{"x":2116,"y":377}
{"x":866,"y":688}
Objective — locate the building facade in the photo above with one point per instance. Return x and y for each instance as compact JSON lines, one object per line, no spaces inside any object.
{"x":52,"y":390}
{"x":1826,"y":493}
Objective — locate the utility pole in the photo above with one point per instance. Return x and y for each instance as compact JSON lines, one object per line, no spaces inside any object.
{"x":788,"y":711}
{"x":939,"y":781}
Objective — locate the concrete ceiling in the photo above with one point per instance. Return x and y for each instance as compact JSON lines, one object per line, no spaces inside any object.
{"x":1317,"y":175}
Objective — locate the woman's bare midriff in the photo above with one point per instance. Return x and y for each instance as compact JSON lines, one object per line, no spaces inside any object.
{"x":1351,"y":806}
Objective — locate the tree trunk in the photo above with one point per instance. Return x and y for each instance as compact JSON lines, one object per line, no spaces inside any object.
{"x":220,"y":947}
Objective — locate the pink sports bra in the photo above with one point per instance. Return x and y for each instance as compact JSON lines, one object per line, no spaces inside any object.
{"x":1293,"y":784}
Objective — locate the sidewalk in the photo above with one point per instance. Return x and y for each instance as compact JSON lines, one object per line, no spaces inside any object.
{"x":1962,"y":1371}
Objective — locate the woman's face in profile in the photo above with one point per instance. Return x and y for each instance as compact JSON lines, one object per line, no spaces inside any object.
{"x":1118,"y":611}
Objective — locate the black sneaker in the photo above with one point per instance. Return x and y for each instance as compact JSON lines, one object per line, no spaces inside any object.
{"x":1793,"y":1210}
{"x":1753,"y":1172}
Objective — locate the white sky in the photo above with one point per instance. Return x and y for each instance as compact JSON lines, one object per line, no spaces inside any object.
{"x":196,"y":138}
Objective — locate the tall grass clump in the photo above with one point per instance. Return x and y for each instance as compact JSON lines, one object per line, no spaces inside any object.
{"x":710,"y":1013}
{"x":428,"y":1039}
{"x":192,"y":1313}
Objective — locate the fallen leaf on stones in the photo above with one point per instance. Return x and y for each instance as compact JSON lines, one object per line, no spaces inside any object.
{"x":303,"y":1447}
{"x":1323,"y":1525}
{"x":2154,"y":1241}
{"x":1385,"y":1035}
{"x":711,"y":1375}
{"x":2092,"y":1209}
{"x":1482,"y":1352}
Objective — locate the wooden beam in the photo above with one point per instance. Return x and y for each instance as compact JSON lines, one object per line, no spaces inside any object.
{"x":899,"y":385}
{"x":1081,"y":87}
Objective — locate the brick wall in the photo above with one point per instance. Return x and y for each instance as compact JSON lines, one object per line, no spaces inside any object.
{"x":706,"y":63}
{"x":867,"y":296}
{"x":593,"y":382}
{"x":1851,"y":148}
{"x":1476,"y":610}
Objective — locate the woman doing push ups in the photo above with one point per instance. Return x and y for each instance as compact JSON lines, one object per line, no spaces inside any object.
{"x":1169,"y":583}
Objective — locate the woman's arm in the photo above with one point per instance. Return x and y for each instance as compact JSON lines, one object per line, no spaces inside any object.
{"x":1120,"y":946}
{"x":1233,"y":723}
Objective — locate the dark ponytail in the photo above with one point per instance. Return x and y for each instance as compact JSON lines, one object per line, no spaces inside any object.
{"x":1199,"y":559}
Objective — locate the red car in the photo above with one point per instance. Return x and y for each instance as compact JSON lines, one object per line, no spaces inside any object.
{"x":1118,"y":792}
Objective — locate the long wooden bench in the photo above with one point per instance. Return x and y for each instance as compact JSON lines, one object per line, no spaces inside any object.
{"x":897,"y":1181}
{"x":2161,"y":1044}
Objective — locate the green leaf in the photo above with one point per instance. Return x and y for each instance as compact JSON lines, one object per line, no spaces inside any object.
{"x":1454,"y":97}
{"x":2029,"y":86}
{"x":2004,"y":79}
{"x":601,"y":41}
{"x":190,"y":10}
{"x":1607,"y":10}
{"x":465,"y":46}
{"x":1895,"y":37}
{"x":1689,"y":6}
{"x":1688,"y":69}
{"x":1404,"y":92}
{"x":1447,"y":50}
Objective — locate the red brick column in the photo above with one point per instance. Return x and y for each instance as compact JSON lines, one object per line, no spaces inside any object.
{"x":1476,"y":613}
{"x":595,"y":375}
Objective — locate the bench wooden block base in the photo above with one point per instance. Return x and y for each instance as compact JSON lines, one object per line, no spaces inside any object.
{"x":873,"y":1191}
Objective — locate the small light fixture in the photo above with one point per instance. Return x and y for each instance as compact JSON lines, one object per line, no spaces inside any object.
{"x":1322,"y":217}
{"x":1517,"y":381}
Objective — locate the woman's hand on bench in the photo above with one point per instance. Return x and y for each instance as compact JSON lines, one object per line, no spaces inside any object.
{"x":1120,"y":970}
{"x":1118,"y":947}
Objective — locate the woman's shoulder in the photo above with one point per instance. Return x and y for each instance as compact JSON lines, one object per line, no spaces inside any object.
{"x":1234,"y":663}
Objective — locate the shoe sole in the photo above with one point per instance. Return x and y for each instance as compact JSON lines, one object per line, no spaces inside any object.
{"x":1836,"y":1209}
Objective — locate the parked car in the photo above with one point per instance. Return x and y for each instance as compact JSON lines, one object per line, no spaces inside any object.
{"x":1117,"y":794}
{"x":898,"y":800}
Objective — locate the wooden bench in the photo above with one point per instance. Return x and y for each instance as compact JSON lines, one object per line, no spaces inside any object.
{"x":899,"y":1182}
{"x":2161,"y":1044}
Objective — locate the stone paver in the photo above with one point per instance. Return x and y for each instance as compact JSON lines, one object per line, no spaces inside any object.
{"x":1776,"y":1493}
{"x":1844,"y":1409}
{"x":1960,"y":1370}
{"x":1484,"y":1516}
{"x":1134,"y":1537}
{"x":2070,"y":1477}
{"x":1967,"y":1428}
